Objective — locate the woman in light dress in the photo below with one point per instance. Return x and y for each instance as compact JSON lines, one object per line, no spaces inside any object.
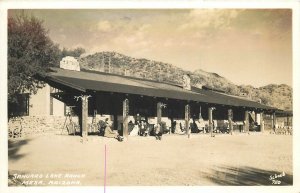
{"x":108,"y":132}
{"x":135,"y":130}
{"x":201,"y":125}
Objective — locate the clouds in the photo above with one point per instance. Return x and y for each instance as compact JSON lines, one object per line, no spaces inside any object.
{"x":204,"y":23}
{"x":130,"y":40}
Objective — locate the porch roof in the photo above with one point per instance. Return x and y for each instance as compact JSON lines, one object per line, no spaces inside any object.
{"x":86,"y":80}
{"x":282,"y":113}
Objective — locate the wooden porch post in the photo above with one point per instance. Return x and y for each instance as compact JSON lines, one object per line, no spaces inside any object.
{"x":230,"y":116}
{"x":274,"y":121}
{"x":159,"y":112}
{"x":200,"y":114}
{"x":187,"y":119}
{"x":210,"y":121}
{"x":262,"y":123}
{"x":125,"y":118}
{"x":84,"y":116}
{"x":246,"y":129}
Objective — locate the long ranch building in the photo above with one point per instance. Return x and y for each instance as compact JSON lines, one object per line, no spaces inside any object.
{"x":91,"y":92}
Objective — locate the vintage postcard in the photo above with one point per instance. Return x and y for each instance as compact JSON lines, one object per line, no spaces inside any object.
{"x":112,"y":98}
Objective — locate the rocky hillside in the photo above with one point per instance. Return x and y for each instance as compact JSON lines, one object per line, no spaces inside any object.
{"x":279,"y":96}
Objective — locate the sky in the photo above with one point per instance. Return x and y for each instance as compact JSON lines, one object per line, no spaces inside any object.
{"x":246,"y":46}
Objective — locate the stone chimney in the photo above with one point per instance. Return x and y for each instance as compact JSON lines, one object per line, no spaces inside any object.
{"x":186,"y":82}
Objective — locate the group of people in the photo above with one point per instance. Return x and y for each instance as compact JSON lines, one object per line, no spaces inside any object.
{"x":196,"y":126}
{"x":143,"y":128}
{"x":139,"y":128}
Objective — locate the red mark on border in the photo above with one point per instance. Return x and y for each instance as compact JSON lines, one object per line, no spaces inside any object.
{"x":105,"y":168}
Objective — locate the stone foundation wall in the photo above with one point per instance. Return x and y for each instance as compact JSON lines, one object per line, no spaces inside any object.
{"x":36,"y":125}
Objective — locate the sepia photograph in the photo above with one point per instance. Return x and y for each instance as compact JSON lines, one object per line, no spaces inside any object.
{"x":150,"y":97}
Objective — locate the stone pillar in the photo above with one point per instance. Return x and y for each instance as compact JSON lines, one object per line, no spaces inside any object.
{"x":210,"y":120}
{"x":230,"y":117}
{"x":187,"y":120}
{"x":125,"y":118}
{"x":262,"y":123}
{"x":84,"y":116}
{"x":246,"y":126}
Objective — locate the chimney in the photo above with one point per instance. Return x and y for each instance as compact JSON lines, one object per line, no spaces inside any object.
{"x":186,"y":82}
{"x":69,"y":63}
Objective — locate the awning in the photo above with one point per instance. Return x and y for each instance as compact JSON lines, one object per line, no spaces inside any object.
{"x":85,"y":81}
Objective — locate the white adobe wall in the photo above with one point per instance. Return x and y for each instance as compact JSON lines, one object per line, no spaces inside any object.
{"x":39,"y":103}
{"x":58,"y":107}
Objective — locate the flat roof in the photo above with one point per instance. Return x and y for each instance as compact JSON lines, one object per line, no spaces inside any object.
{"x":87,"y":80}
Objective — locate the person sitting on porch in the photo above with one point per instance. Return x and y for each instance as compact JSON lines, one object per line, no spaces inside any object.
{"x":143,"y":128}
{"x":178,"y":128}
{"x":193,"y":126}
{"x":158,"y":131}
{"x":215,"y":126}
{"x":173,"y":126}
{"x":137,"y":118}
{"x":201,"y":125}
{"x":135,"y":130}
{"x":130,"y":126}
{"x":101,"y":127}
{"x":110,"y":133}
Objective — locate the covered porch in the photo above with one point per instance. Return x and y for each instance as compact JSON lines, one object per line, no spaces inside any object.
{"x":123,"y":98}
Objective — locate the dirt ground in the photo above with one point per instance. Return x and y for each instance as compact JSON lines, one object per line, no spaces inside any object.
{"x":240,"y":159}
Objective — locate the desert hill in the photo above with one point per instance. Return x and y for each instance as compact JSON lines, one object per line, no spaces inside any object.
{"x":279,"y":96}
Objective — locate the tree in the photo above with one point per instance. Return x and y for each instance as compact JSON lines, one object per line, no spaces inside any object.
{"x":75,"y":53}
{"x":30,"y":51}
